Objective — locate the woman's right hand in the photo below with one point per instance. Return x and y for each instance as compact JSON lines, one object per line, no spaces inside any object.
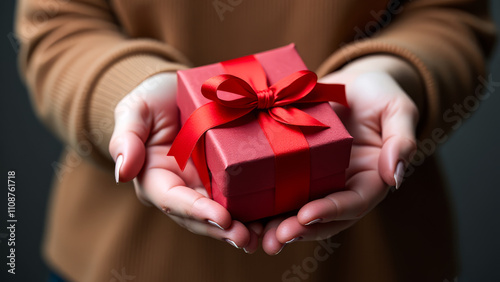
{"x":146,"y":123}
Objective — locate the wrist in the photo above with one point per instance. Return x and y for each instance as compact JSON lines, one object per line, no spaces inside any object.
{"x":400,"y":70}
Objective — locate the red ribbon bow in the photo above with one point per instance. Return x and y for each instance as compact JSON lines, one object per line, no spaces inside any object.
{"x":247,"y":80}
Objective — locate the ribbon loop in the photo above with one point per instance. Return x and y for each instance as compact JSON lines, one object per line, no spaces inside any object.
{"x":294,"y":87}
{"x":232,"y":84}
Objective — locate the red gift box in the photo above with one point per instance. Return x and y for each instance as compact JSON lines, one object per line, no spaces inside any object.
{"x":240,"y":162}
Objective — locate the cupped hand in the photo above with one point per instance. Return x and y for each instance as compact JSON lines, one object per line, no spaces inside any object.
{"x":382,"y":119}
{"x":146,"y":122}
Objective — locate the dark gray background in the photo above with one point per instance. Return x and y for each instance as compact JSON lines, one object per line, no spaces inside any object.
{"x":469,"y":157}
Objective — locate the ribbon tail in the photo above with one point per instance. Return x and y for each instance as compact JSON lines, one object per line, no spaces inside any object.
{"x":200,"y":162}
{"x":202,"y":119}
{"x":294,"y":116}
{"x":292,"y":163}
{"x":323,"y":92}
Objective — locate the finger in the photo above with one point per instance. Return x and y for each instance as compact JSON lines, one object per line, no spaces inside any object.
{"x":256,"y":227}
{"x":291,"y":230}
{"x":365,"y":191}
{"x":156,"y":158}
{"x":253,"y":242}
{"x":271,"y":244}
{"x":151,"y":103}
{"x":399,"y":121}
{"x":132,"y":124}
{"x":237,"y":235}
{"x":140,"y":194}
{"x":166,"y":190}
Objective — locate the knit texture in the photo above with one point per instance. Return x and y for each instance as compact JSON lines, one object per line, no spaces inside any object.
{"x":80,"y":57}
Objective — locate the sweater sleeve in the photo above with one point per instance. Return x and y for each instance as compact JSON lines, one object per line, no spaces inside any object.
{"x":447,"y":41}
{"x":78,"y":64}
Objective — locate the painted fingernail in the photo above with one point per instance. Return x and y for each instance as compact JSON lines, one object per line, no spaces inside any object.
{"x":246,"y":251}
{"x":293,"y":240}
{"x":281,"y":249}
{"x":313,"y":221}
{"x":286,"y":243}
{"x":119,"y":162}
{"x":215,"y":224}
{"x":232,"y":243}
{"x":399,"y":174}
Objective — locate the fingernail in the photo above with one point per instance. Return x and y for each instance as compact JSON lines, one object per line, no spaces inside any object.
{"x":119,"y":162}
{"x":399,"y":174}
{"x":293,"y":240}
{"x":232,"y":243}
{"x":286,"y":243}
{"x":215,"y":224}
{"x":313,"y":221}
{"x":281,"y":249}
{"x":246,"y":251}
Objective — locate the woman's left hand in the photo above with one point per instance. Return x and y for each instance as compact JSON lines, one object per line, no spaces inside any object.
{"x":382,"y":119}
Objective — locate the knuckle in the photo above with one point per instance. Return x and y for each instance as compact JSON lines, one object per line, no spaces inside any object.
{"x":412,"y":145}
{"x":113,"y":142}
{"x":335,"y":207}
{"x":194,"y":206}
{"x":409,"y":145}
{"x":363,"y":205}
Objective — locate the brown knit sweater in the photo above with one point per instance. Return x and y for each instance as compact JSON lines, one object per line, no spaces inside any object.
{"x":80,"y":57}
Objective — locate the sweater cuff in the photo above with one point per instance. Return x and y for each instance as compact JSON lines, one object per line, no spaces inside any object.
{"x":363,"y":48}
{"x":119,"y":80}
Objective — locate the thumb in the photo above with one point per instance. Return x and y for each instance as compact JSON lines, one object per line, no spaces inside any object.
{"x":132,"y":126}
{"x":398,"y":122}
{"x":134,"y":119}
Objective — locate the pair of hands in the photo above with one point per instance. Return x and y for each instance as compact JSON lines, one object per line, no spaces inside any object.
{"x":382,"y":119}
